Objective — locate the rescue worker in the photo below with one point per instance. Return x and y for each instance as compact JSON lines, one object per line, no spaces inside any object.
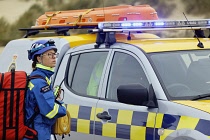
{"x":92,"y":88}
{"x":40,"y":97}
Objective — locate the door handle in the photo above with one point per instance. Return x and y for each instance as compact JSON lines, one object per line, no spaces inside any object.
{"x":104,"y":116}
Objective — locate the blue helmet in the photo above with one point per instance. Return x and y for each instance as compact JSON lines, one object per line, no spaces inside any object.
{"x":39,"y":47}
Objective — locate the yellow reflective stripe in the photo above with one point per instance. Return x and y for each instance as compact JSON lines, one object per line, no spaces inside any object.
{"x":30,"y":85}
{"x":44,"y":67}
{"x":48,"y":80}
{"x":63,"y":105}
{"x":52,"y":113}
{"x":56,"y":89}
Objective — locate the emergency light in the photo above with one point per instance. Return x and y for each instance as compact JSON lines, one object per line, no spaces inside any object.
{"x":154,"y":24}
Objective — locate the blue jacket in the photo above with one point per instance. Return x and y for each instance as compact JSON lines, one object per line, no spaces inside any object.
{"x":40,"y":95}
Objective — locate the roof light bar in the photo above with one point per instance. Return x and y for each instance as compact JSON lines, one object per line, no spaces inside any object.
{"x":153,"y":24}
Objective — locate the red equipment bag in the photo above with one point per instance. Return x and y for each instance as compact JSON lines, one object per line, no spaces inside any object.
{"x":13,"y":87}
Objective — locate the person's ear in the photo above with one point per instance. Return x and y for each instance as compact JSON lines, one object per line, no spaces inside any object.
{"x":38,"y":59}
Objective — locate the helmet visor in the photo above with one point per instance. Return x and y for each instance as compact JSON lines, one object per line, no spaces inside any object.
{"x":36,"y":46}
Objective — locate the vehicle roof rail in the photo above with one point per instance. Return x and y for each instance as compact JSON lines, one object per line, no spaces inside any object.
{"x":29,"y":32}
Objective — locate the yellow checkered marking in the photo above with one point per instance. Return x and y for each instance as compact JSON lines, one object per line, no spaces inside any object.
{"x":137,"y":133}
{"x":132,"y":130}
{"x":159,"y":119}
{"x":83,"y":126}
{"x":124,"y":120}
{"x":92,"y":114}
{"x":150,"y":120}
{"x":106,"y":131}
{"x":121,"y":117}
{"x":98,"y":110}
{"x":74,"y":110}
{"x":82,"y":122}
{"x":187,"y":122}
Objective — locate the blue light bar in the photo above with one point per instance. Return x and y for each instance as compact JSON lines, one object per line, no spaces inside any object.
{"x":153,"y":24}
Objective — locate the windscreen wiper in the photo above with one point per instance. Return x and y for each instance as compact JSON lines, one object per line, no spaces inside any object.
{"x":201,"y":96}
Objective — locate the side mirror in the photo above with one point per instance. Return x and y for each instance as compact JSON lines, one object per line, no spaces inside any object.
{"x":136,"y":94}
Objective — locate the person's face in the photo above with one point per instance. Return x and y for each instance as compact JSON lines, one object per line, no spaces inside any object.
{"x":48,"y":58}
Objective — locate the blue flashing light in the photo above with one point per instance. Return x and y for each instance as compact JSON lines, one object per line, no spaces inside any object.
{"x":126,"y":24}
{"x":159,"y":23}
{"x":137,"y":24}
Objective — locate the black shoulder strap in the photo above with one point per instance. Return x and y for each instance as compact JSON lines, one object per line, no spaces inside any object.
{"x":36,"y":77}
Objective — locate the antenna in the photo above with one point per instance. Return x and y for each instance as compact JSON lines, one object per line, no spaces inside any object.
{"x":200,"y":44}
{"x":104,"y":11}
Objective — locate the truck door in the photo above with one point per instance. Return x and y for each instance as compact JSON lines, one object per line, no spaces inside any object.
{"x":117,"y":120}
{"x":83,"y":71}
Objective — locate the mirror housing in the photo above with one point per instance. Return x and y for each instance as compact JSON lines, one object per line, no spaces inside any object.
{"x":136,"y":94}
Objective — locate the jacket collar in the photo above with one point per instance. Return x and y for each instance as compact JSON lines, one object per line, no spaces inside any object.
{"x":41,"y":69}
{"x":44,"y":67}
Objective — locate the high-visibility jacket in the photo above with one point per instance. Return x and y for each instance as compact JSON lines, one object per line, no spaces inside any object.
{"x":92,"y":88}
{"x":40,"y":97}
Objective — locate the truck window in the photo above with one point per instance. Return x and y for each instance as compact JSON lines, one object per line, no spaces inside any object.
{"x":184,"y":73}
{"x":125,"y":69}
{"x":85,"y":77}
